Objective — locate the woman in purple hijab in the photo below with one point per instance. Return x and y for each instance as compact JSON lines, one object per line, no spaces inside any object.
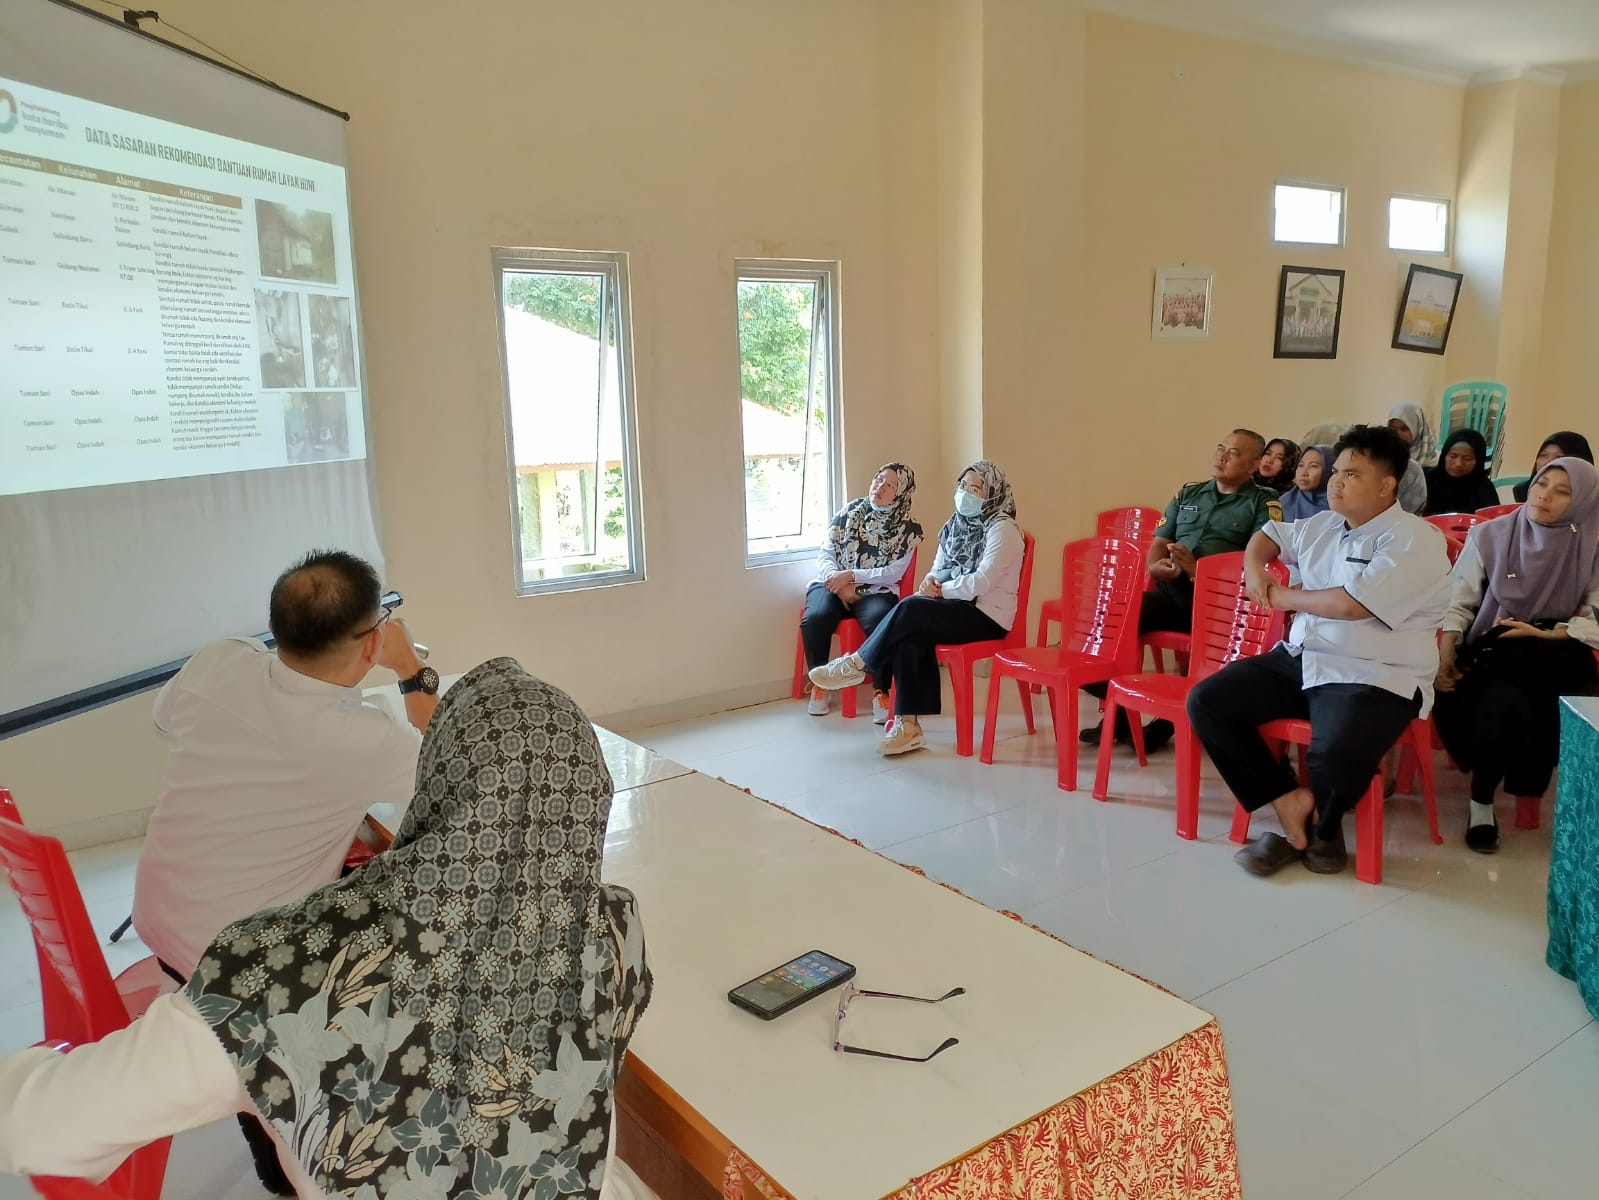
{"x":1520,"y":633}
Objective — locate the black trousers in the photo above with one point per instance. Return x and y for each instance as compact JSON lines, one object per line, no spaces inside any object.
{"x":1352,"y":727}
{"x":902,"y":651}
{"x":825,"y":611}
{"x":1502,"y":721}
{"x":263,"y":1146}
{"x":1168,"y":608}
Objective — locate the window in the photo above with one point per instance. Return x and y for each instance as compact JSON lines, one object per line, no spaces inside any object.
{"x":1415,"y":223}
{"x":788,"y":392}
{"x":1309,"y":214}
{"x":566,"y":357}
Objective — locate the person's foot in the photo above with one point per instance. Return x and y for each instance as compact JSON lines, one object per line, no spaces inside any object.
{"x":880,"y":713}
{"x":820,"y":703}
{"x":1484,"y":839}
{"x":1294,"y":811}
{"x":1124,"y":733}
{"x":1267,"y":855}
{"x":1327,"y":856}
{"x":902,"y":737}
{"x":846,"y":671}
{"x":1158,"y":735}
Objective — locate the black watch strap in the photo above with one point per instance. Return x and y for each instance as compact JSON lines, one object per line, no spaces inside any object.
{"x":426,"y":680}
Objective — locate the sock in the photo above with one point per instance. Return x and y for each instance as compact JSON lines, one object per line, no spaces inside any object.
{"x":1482,"y":814}
{"x":912,"y":722}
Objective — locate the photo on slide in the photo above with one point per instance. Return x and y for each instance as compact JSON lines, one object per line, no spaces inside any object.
{"x":332,"y":343}
{"x":295,"y":243}
{"x":282,"y":341}
{"x":315,"y":427}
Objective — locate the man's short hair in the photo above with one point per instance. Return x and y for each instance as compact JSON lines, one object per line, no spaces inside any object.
{"x":1260,"y":442}
{"x":325,"y":598}
{"x":1385,"y":448}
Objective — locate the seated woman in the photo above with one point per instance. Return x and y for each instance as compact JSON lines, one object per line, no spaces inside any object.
{"x":968,"y":596}
{"x":1410,"y":422}
{"x":867,"y":552}
{"x":1460,"y":483}
{"x":1564,"y":444}
{"x":1520,"y":633}
{"x":1308,"y":496}
{"x":400,"y":1032}
{"x":1277,"y":465}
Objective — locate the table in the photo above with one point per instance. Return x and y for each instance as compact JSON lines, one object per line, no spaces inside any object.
{"x":1574,"y":856}
{"x":1072,"y":1078}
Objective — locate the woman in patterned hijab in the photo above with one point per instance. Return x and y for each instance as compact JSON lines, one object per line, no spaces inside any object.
{"x":447,"y":1022}
{"x":970,"y":595}
{"x":867,"y":552}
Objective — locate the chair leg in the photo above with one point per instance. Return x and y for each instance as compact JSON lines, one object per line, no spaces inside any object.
{"x":1240,"y":829}
{"x":1304,"y":769}
{"x":1043,"y":640}
{"x":801,"y":677}
{"x":1027,"y":705}
{"x":1529,"y":810}
{"x":960,"y":679}
{"x":1368,"y":834}
{"x":1102,"y":770}
{"x":1187,"y":782}
{"x":1420,"y":746}
{"x":1135,"y":726}
{"x":990,"y":715}
{"x":1066,"y":738}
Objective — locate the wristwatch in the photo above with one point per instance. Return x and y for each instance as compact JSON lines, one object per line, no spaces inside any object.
{"x":425,"y":681}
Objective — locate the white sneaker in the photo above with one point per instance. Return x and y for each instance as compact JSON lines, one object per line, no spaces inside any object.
{"x":880,"y":713}
{"x":841,"y":673}
{"x":901,"y":739}
{"x":820,"y":703}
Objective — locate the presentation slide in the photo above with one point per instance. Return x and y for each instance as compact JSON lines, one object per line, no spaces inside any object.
{"x":173,"y":303}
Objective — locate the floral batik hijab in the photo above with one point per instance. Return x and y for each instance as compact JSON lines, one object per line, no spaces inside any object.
{"x":863,"y":538}
{"x":962,"y":538}
{"x":449,"y":1020}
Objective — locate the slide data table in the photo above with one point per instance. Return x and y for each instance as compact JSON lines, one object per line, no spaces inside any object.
{"x":1574,"y":856}
{"x":1071,"y":1077}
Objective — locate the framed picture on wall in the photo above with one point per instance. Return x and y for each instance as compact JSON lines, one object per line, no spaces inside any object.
{"x":1310,"y":306}
{"x":1426,"y":309}
{"x":1182,"y":304}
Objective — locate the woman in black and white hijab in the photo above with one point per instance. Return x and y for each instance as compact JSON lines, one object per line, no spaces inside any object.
{"x":866,"y":553}
{"x":968,"y":596}
{"x":446,"y":1022}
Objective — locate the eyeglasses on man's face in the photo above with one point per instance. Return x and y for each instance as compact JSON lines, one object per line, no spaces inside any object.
{"x":381,"y":621}
{"x":847,"y":996}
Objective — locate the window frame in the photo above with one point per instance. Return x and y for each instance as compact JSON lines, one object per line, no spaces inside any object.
{"x":1449,"y":223}
{"x":1343,"y":212}
{"x":825,"y":273}
{"x":613,"y":265}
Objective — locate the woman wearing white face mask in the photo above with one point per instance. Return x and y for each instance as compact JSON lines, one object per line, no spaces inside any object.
{"x":866,"y":553}
{"x":968,"y":596}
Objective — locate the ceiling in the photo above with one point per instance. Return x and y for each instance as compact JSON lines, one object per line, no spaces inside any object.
{"x":1464,"y":38}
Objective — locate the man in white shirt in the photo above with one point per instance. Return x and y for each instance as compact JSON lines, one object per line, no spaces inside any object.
{"x":274,"y":760}
{"x":1358,"y":664}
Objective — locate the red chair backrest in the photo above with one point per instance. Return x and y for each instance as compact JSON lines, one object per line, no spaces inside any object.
{"x":1498,"y":510}
{"x":1135,"y":524}
{"x":81,"y":1003}
{"x":1102,"y":588}
{"x":1454,"y":545}
{"x":908,"y":582}
{"x":1228,"y":625}
{"x":1024,"y":589}
{"x":1456,"y":524}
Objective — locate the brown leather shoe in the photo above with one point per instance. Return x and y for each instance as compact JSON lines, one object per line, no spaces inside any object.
{"x":1267,"y":855}
{"x":1327,"y":856}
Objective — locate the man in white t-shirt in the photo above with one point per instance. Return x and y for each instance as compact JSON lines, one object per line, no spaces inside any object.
{"x":275,"y":758}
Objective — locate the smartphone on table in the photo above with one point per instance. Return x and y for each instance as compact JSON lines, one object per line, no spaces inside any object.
{"x":782,"y":988}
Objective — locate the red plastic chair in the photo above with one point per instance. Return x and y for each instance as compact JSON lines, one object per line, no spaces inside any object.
{"x":82,"y":1003}
{"x":961,"y":659}
{"x":1456,"y":524}
{"x":1227,"y":626}
{"x":1369,"y":812}
{"x":1498,"y":510}
{"x":1132,"y":524}
{"x":850,"y":639}
{"x":1453,"y":546}
{"x":1102,"y":587}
